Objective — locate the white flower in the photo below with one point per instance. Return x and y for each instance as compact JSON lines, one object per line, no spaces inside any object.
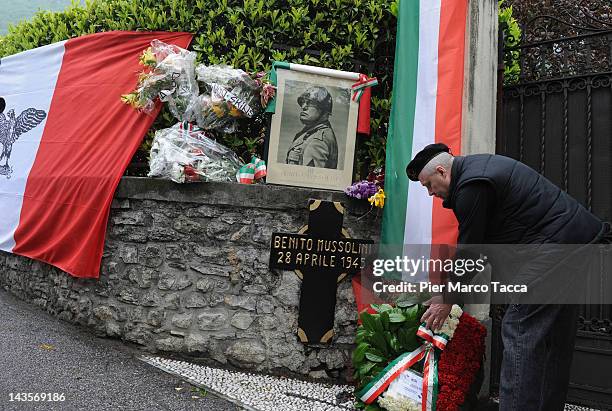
{"x":456,"y":311}
{"x":399,"y":403}
{"x":451,"y":323}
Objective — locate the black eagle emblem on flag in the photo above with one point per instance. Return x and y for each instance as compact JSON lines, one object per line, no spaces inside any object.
{"x":11,"y":128}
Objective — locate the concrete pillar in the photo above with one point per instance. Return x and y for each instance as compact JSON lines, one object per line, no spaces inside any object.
{"x":480,"y":80}
{"x":479,"y":112}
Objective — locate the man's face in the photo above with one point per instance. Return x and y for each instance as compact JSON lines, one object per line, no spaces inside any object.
{"x":438,"y":183}
{"x":310,"y":113}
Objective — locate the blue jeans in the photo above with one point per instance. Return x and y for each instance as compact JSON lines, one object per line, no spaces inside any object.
{"x":538,"y":348}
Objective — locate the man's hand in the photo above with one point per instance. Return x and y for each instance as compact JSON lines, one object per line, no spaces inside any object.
{"x":436,"y":314}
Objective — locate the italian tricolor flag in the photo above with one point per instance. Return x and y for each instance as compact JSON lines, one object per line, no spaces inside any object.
{"x":426,"y":108}
{"x":66,"y":140}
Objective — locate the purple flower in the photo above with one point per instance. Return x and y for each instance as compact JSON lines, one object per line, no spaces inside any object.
{"x":362,"y":189}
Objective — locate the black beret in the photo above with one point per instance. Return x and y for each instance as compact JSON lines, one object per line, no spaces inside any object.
{"x":2,"y":105}
{"x":423,"y":157}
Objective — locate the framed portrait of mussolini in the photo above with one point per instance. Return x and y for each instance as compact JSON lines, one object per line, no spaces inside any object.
{"x":313,"y":129}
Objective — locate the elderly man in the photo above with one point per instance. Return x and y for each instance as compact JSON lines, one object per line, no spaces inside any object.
{"x":315,"y":145}
{"x":498,"y":200}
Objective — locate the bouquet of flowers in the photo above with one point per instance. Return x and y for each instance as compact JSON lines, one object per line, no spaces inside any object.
{"x":402,"y":366}
{"x":168,"y":76}
{"x":228,"y":94}
{"x":184,"y":153}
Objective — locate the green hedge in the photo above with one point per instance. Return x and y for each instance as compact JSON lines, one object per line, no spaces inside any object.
{"x":248,"y":34}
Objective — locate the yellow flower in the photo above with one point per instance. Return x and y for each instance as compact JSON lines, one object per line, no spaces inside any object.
{"x":234,"y":112}
{"x":131,"y":100}
{"x":148,"y":58}
{"x":218,"y":110}
{"x":378,"y":199}
{"x":143,"y":76}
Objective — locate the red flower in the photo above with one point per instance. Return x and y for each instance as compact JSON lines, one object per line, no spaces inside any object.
{"x":459,"y":363}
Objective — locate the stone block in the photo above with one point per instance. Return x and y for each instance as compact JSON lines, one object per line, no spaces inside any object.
{"x":171,"y":301}
{"x":288,"y":292}
{"x":182,"y":320}
{"x":195,"y":343}
{"x":243,"y":234}
{"x":173,"y":281}
{"x":332,"y":358}
{"x":212,"y":320}
{"x":129,"y":254}
{"x":194,"y":300}
{"x":218,"y":230}
{"x":242,"y":320}
{"x":171,"y":344}
{"x":152,"y":256}
{"x":156,"y":317}
{"x":174,"y":253}
{"x":133,"y":234}
{"x":246,"y":302}
{"x":151,"y":299}
{"x":318,"y":374}
{"x":211,"y":269}
{"x":186,"y":226}
{"x":157,"y":233}
{"x":215,"y":299}
{"x":122,"y":203}
{"x":143,"y":276}
{"x":128,"y":296}
{"x":246,"y":352}
{"x":112,"y":329}
{"x":265,"y":305}
{"x":130,"y":218}
{"x":267,"y":322}
{"x":103,"y":313}
{"x":208,"y":284}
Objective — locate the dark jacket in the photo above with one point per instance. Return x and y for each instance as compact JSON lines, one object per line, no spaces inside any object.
{"x":528,"y":208}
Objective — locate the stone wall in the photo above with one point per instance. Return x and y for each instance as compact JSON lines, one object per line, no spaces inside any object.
{"x":185,"y":270}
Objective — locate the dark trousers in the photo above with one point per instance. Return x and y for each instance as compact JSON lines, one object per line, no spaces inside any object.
{"x":538,"y":348}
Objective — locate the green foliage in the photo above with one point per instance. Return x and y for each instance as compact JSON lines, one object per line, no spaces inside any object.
{"x":384,"y":336}
{"x":512,"y":37}
{"x":247,"y":34}
{"x":251,"y":34}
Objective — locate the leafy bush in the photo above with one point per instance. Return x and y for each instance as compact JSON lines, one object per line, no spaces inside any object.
{"x":512,"y":38}
{"x":353,"y":35}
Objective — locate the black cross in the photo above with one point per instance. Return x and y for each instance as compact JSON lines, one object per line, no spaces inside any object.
{"x":314,"y":255}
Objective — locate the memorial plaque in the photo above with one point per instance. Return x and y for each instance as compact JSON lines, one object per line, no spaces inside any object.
{"x":322,"y":254}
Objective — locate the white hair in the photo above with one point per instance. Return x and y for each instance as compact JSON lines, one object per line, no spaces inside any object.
{"x":443,"y":159}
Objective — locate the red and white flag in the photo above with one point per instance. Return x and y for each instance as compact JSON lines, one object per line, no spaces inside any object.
{"x":66,"y":139}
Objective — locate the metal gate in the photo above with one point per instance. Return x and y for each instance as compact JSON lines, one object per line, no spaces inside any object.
{"x":557,"y":118}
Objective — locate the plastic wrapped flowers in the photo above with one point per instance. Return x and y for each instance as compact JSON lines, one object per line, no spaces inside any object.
{"x":185,"y":154}
{"x":228,"y":94}
{"x":168,"y":75}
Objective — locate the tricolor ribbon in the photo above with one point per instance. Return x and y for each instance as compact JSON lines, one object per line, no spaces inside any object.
{"x":187,"y":126}
{"x":252,"y":171}
{"x":430,"y":370}
{"x":363,"y":83}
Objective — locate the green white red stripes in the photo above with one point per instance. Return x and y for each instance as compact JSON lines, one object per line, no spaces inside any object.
{"x":426,"y":108}
{"x":432,"y":345}
{"x":380,"y":383}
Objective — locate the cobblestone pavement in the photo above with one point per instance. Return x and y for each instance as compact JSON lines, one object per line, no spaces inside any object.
{"x":40,"y":354}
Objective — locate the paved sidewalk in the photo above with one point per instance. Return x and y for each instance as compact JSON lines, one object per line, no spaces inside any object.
{"x":40,"y":354}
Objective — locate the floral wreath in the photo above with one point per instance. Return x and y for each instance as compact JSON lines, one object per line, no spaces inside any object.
{"x":392,"y":345}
